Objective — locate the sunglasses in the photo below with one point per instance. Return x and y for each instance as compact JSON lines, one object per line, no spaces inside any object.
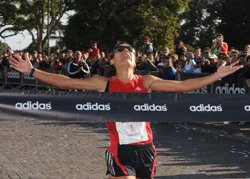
{"x":121,"y":48}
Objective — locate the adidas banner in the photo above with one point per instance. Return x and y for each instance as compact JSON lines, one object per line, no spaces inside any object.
{"x":94,"y":106}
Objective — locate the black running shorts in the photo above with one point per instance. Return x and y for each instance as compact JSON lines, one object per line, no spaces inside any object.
{"x":132,"y":160}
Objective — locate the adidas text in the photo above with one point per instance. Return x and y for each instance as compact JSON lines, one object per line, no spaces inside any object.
{"x":207,"y":108}
{"x":152,"y":107}
{"x":35,"y":106}
{"x":93,"y":107}
{"x":229,"y":90}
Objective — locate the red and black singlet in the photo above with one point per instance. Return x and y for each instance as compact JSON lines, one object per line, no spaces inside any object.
{"x":128,"y":133}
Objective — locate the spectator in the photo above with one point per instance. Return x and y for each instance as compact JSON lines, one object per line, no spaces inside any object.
{"x":245,"y":71}
{"x":168,"y":71}
{"x":96,"y":64}
{"x":70,"y":53}
{"x":78,"y":68}
{"x":226,"y":58}
{"x":242,"y":59}
{"x":235,"y":55}
{"x":150,"y":57}
{"x":197,"y":53}
{"x":231,"y":50}
{"x":166,"y":51}
{"x":34,"y":56}
{"x":243,"y":52}
{"x":162,"y":58}
{"x":189,"y":67}
{"x":180,"y":50}
{"x":198,"y":65}
{"x":140,"y":64}
{"x":37,"y":59}
{"x":181,"y":64}
{"x":5,"y":59}
{"x":45,"y":63}
{"x":58,"y":52}
{"x":247,"y":48}
{"x":149,"y":65}
{"x":223,"y":57}
{"x":57,"y":65}
{"x":207,"y":53}
{"x":219,"y":46}
{"x":210,"y":66}
{"x":148,"y":47}
{"x":175,"y":59}
{"x":94,"y":51}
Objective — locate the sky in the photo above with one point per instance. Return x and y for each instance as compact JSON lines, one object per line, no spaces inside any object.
{"x":21,"y":41}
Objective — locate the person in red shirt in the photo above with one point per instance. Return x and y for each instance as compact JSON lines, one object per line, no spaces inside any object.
{"x":131,"y":154}
{"x":94,"y":51}
{"x":219,"y":46}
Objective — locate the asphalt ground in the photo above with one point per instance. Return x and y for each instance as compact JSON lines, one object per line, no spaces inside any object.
{"x":53,"y":150}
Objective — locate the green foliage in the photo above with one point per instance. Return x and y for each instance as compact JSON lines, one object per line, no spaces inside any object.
{"x":126,"y":20}
{"x":235,"y":23}
{"x":19,"y":15}
{"x":200,"y":22}
{"x":206,"y":18}
{"x":3,"y":47}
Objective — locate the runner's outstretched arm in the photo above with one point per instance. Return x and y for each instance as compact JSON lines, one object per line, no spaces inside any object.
{"x":157,"y":84}
{"x":25,"y":66}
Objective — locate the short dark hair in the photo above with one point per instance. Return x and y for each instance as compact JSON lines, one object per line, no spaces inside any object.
{"x":220,"y":35}
{"x":163,"y":55}
{"x":207,"y":48}
{"x":117,"y":45}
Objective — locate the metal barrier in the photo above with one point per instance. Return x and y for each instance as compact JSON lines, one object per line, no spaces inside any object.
{"x":232,"y":84}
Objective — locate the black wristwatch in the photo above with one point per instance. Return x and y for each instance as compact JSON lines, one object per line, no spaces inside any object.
{"x":32,"y":71}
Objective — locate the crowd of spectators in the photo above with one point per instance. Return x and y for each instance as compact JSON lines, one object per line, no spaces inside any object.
{"x":164,"y":64}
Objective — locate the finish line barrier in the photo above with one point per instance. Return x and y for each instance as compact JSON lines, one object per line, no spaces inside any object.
{"x":122,"y":107}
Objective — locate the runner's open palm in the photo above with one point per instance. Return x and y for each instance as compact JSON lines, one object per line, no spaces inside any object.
{"x":224,"y":70}
{"x":21,"y":65}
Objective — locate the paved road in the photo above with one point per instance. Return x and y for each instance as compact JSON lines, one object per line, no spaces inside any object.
{"x":51,"y":150}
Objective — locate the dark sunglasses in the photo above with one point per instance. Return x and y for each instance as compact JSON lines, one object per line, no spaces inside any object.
{"x":121,"y":48}
{"x":205,"y":52}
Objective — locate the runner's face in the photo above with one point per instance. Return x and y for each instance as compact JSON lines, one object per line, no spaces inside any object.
{"x":123,"y":56}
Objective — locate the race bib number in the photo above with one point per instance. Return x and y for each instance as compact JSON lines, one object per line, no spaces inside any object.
{"x":131,"y":132}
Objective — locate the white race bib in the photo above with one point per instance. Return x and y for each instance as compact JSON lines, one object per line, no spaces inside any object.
{"x":131,"y":132}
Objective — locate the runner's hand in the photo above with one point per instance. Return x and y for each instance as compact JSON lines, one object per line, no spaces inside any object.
{"x":224,"y":70}
{"x":21,"y":65}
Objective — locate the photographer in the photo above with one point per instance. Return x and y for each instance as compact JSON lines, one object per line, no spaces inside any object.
{"x":219,"y":46}
{"x":78,"y":68}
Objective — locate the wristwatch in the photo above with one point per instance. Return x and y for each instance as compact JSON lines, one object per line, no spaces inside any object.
{"x":32,"y":71}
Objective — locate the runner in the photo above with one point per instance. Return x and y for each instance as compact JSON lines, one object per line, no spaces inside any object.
{"x":132,"y":153}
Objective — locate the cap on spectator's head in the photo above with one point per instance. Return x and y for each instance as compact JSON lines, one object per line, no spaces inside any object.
{"x":160,"y":65}
{"x":213,"y":56}
{"x":163,"y":55}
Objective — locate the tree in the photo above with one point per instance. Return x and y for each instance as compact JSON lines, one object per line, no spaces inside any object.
{"x":206,"y":18}
{"x":3,"y":47}
{"x":19,"y":15}
{"x":199,"y":23}
{"x":130,"y":20}
{"x":235,"y":22}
